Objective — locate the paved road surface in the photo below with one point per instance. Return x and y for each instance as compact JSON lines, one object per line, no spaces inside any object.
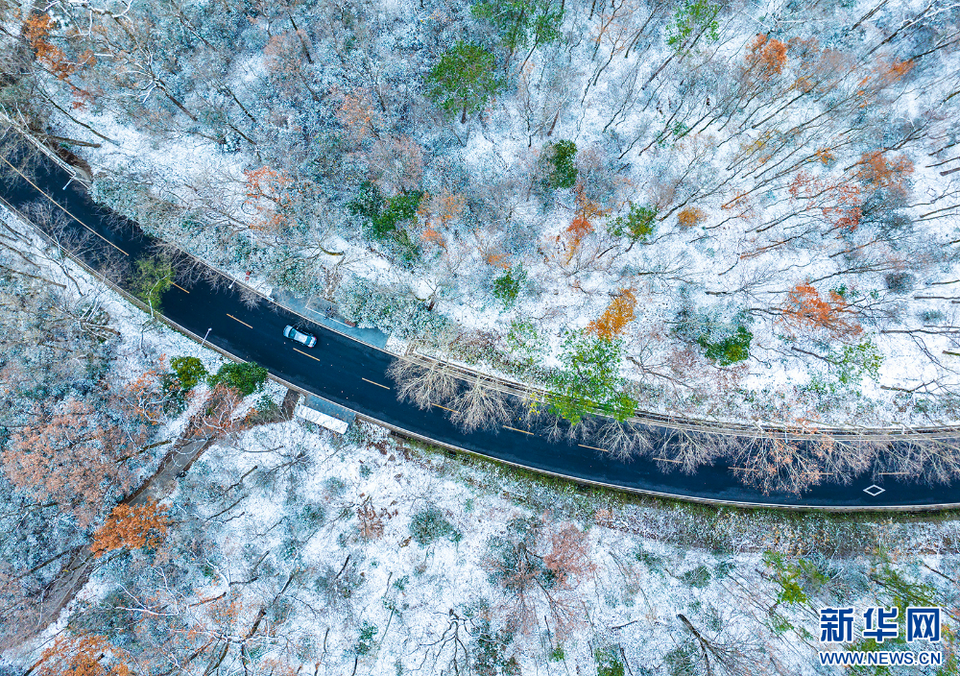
{"x":353,"y":375}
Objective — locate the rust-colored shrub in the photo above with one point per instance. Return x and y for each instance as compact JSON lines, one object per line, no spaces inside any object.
{"x":691,"y":216}
{"x":615,"y":318}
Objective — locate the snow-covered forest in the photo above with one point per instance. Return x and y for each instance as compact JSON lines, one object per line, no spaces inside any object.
{"x":742,"y":210}
{"x":287,"y":549}
{"x":731,"y":211}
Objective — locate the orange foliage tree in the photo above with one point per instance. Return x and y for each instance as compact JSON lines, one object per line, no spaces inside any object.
{"x":441,"y":207}
{"x":284,"y":55}
{"x":358,"y":116}
{"x":838,"y":201}
{"x":581,"y":226}
{"x":88,"y":655}
{"x":531,"y":576}
{"x":882,"y":75}
{"x":143,"y":398}
{"x":498,"y":260}
{"x":615,"y":318}
{"x":893,"y":71}
{"x":131,"y":528}
{"x":880,"y":172}
{"x":72,"y":456}
{"x":805,"y":308}
{"x":431,"y":236}
{"x":36,"y":28}
{"x":436,"y":212}
{"x":267,"y":190}
{"x":691,"y":216}
{"x":766,"y":57}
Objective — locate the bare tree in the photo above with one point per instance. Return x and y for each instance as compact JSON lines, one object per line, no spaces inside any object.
{"x":481,"y":404}
{"x":623,"y":440}
{"x":687,"y":450}
{"x":721,"y":655}
{"x":936,"y":461}
{"x":536,"y":578}
{"x":424,"y":381}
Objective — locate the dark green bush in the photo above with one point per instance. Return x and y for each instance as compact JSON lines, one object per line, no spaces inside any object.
{"x":245,"y":378}
{"x":899,"y":282}
{"x":366,"y":639}
{"x":384,"y":214}
{"x":507,"y":287}
{"x":369,"y":201}
{"x":699,"y":577}
{"x":729,"y":349}
{"x":681,"y":660}
{"x":487,"y":646}
{"x":429,"y":525}
{"x":608,"y":661}
{"x":560,"y":163}
{"x":188,"y":370}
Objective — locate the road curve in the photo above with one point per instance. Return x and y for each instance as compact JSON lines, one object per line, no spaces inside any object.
{"x":353,"y":374}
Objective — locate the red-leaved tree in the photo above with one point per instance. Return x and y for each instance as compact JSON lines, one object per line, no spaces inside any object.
{"x":71,"y":455}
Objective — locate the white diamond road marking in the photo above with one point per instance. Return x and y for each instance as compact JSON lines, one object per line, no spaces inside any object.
{"x":873,"y":491}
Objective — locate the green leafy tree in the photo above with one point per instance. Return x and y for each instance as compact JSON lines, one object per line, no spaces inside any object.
{"x":525,"y":342}
{"x":384,"y":218}
{"x":518,"y":22}
{"x":188,"y":370}
{"x":728,"y":349}
{"x":790,"y":578}
{"x":464,"y":79}
{"x":638,"y":225}
{"x":559,"y":158}
{"x":725,"y":341}
{"x":384,"y":215}
{"x":853,"y":362}
{"x":368,"y":203}
{"x":589,"y":379}
{"x":693,"y":20}
{"x":507,"y":287}
{"x":185,"y":373}
{"x":245,"y":378}
{"x":608,"y":661}
{"x":152,"y":278}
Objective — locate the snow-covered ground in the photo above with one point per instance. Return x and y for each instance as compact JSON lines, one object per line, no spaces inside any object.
{"x":648,"y":141}
{"x":319,"y":531}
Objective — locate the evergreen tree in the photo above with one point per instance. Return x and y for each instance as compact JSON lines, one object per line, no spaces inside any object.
{"x":464,"y":79}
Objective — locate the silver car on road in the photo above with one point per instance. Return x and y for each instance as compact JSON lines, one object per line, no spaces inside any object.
{"x":306,"y":339}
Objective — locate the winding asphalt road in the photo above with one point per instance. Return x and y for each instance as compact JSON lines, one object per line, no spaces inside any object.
{"x":352,"y":374}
